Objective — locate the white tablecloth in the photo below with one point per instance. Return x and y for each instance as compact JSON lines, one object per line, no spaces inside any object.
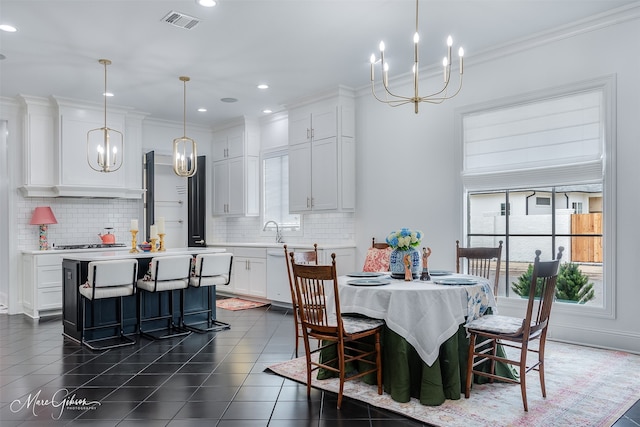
{"x":424,"y":313}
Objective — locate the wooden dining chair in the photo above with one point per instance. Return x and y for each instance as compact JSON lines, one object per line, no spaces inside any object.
{"x":300,"y":257}
{"x":487,"y":332}
{"x":377,"y":258}
{"x":478,"y":262}
{"x":312,"y":284}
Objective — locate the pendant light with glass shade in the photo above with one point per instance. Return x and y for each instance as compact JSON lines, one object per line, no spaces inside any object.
{"x":105,"y":146}
{"x":184,"y":148}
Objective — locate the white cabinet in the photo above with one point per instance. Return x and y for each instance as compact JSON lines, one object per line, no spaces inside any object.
{"x":278,"y":287}
{"x":55,"y":150}
{"x":231,"y":143}
{"x":249,"y":271}
{"x":42,"y":284}
{"x":236,"y":187}
{"x":236,"y":178}
{"x":322,"y":155}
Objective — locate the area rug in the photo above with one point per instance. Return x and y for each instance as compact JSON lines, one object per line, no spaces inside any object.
{"x":585,"y":387}
{"x":238,"y":304}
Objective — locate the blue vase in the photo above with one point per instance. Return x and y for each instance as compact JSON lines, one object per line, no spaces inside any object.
{"x":396,"y":263}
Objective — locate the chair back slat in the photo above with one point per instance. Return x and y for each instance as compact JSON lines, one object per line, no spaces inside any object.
{"x":543,"y":278}
{"x":478,"y":262}
{"x":310,"y":283}
{"x":299,"y":257}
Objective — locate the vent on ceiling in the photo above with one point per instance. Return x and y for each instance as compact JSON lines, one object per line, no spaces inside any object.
{"x":181,"y":20}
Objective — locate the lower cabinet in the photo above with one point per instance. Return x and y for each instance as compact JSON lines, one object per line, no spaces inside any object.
{"x":42,"y":284}
{"x":261,"y":272}
{"x":249,"y":271}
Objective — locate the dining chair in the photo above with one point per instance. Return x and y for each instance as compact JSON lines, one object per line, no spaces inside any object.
{"x":326,"y":323}
{"x":488,"y":332}
{"x":300,"y":257}
{"x":377,"y":258}
{"x":166,"y":275}
{"x":477,"y":261}
{"x":210,"y":271}
{"x":107,"y":279}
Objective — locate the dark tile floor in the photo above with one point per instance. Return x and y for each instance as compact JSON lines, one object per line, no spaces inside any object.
{"x":214,"y":379}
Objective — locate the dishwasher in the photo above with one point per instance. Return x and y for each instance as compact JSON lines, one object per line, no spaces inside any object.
{"x":278,"y":289}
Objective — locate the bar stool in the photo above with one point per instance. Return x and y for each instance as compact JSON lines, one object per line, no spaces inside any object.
{"x":210,"y":270}
{"x":166,"y":274}
{"x":107,"y":279}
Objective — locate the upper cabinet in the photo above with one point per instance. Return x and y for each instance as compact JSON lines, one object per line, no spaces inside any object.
{"x":322,"y":154}
{"x":235,"y":170}
{"x":55,"y":150}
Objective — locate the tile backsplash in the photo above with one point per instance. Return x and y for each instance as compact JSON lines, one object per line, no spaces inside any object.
{"x":79,"y":220}
{"x":332,"y":228}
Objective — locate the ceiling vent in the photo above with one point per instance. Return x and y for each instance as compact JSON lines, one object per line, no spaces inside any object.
{"x":181,"y":20}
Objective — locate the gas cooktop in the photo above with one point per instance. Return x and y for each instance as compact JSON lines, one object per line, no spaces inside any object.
{"x":91,"y":246}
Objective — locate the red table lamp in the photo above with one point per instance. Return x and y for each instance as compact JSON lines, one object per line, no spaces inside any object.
{"x":43,"y":216}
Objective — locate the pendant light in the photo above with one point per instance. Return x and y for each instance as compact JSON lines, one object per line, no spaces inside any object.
{"x":393,"y":99}
{"x":105,"y":146}
{"x":184,"y":148}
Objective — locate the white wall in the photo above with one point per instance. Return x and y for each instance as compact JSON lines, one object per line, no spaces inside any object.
{"x":409,"y":174}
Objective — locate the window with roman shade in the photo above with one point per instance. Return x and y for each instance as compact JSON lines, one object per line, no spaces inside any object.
{"x":548,"y":141}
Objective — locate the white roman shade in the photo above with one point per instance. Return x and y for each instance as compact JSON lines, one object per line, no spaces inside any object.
{"x":551,"y":141}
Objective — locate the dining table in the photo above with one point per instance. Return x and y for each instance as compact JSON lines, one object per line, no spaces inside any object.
{"x":424,"y":343}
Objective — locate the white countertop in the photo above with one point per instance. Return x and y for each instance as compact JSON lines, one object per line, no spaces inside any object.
{"x":74,"y":251}
{"x":280,"y":245}
{"x":107,"y":255}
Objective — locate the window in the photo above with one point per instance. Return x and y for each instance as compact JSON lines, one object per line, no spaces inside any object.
{"x":577,"y":207}
{"x":523,"y":232}
{"x":275,"y":195}
{"x":547,"y":159}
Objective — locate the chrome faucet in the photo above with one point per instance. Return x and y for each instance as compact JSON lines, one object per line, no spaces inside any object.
{"x":278,"y":235}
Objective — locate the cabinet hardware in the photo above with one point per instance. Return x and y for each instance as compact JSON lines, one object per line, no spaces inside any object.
{"x":308,"y":133}
{"x":312,"y":133}
{"x":308,"y":202}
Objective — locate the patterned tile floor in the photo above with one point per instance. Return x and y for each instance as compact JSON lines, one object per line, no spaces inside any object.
{"x":214,"y":379}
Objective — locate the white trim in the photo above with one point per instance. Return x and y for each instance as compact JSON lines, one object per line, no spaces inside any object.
{"x":581,"y":173}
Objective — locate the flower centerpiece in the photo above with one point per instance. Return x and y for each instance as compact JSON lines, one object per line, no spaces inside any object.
{"x":404,"y":243}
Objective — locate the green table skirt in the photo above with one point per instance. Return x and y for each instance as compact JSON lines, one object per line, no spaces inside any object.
{"x":405,"y":375}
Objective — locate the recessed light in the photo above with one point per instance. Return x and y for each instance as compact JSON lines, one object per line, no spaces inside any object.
{"x":202,"y":110}
{"x":267,"y":111}
{"x":206,"y":3}
{"x":107,"y":94}
{"x":228,"y":100}
{"x":8,"y":28}
{"x":263,"y":86}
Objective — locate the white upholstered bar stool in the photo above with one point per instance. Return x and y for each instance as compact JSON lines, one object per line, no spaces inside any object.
{"x":166,"y":275}
{"x":107,"y":279}
{"x":211,"y":270}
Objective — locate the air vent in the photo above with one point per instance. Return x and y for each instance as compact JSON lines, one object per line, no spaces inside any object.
{"x":181,"y":20}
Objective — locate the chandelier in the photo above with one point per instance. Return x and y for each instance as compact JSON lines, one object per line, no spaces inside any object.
{"x":395,"y":100}
{"x":103,"y":144}
{"x":184,"y":148}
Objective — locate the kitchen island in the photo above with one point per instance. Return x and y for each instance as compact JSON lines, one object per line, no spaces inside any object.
{"x":75,"y":272}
